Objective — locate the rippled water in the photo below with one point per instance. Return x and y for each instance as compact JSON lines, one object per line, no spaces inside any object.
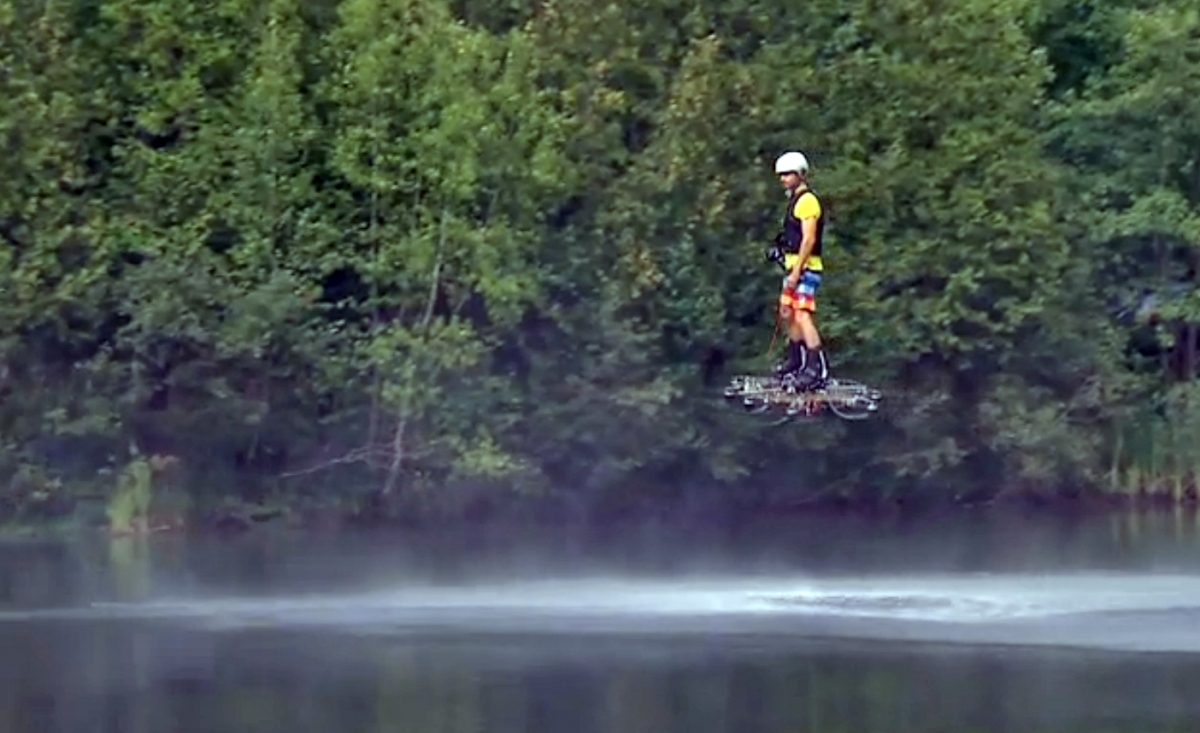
{"x":1101,"y":610}
{"x":969,"y":624}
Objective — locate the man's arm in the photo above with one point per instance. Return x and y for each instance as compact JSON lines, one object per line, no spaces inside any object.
{"x":809,"y":229}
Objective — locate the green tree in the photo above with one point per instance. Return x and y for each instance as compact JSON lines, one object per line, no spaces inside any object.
{"x":447,"y":150}
{"x":51,"y":125}
{"x":1132,"y":137}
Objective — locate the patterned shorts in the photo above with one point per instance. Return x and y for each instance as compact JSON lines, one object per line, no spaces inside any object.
{"x":804,"y":296}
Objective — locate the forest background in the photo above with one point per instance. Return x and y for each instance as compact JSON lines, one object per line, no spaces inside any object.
{"x":418,"y":258}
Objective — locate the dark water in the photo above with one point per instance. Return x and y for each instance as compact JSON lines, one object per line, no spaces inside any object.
{"x":981,"y":624}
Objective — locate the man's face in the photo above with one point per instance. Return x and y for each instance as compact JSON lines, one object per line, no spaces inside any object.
{"x":789,"y":180}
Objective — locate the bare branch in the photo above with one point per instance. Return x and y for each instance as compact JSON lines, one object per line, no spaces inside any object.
{"x":358,"y":455}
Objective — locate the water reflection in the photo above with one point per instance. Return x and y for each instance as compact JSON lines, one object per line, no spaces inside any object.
{"x":133,"y":679}
{"x":106,"y":672}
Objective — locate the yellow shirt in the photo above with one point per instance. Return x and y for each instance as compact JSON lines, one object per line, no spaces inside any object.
{"x":807,"y":207}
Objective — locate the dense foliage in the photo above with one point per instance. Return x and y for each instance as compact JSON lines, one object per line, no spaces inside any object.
{"x":419,"y":254}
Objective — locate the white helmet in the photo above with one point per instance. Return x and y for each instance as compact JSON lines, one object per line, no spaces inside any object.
{"x":791,"y":162}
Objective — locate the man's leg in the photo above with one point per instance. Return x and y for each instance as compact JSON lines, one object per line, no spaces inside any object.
{"x":816,"y":363}
{"x":816,"y":367}
{"x":794,"y":361}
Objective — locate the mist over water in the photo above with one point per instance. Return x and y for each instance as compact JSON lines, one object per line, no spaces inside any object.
{"x":978,"y":613}
{"x":1143,"y":612}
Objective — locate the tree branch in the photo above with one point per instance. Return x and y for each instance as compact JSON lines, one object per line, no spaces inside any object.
{"x":398,"y":455}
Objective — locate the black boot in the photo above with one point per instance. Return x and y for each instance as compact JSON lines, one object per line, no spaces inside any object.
{"x":794,"y":362}
{"x":797,"y":380}
{"x":817,"y":370}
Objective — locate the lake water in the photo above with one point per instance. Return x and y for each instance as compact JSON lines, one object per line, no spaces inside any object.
{"x":980,"y":623}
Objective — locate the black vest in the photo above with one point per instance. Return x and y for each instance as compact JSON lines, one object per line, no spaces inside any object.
{"x":793,"y":233}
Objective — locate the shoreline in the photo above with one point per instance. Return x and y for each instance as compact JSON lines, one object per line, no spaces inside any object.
{"x":235,"y":521}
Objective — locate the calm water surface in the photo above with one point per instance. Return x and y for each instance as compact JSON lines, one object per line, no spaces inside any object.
{"x":981,"y":623}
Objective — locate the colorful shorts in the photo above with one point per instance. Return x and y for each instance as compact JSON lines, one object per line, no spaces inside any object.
{"x":804,"y":296}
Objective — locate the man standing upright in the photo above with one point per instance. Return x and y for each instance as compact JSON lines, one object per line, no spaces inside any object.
{"x":800,"y":242}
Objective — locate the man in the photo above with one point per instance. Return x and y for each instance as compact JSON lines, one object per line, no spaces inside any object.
{"x":800,"y":243}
